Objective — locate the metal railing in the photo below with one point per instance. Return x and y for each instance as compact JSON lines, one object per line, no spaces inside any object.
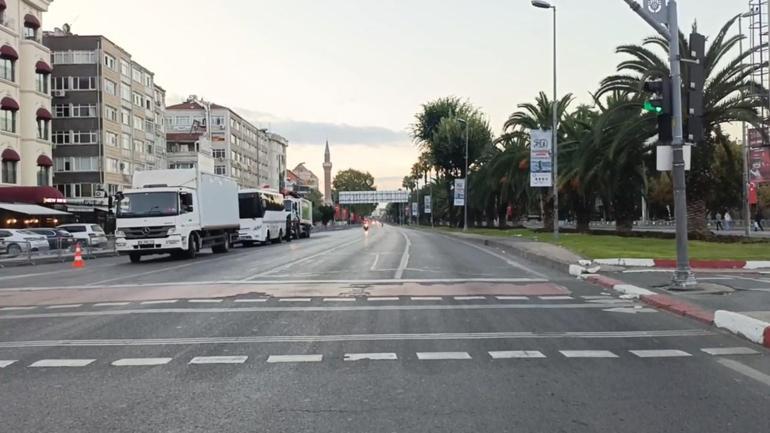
{"x":59,"y":249}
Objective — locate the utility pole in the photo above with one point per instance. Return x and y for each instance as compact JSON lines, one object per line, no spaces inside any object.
{"x":657,"y":13}
{"x":746,"y":153}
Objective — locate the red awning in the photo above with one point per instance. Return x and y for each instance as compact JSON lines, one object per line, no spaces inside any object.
{"x":8,"y":52}
{"x":44,"y":161}
{"x":2,"y":5}
{"x":31,"y":21}
{"x":9,"y":104}
{"x":44,"y":114}
{"x":42,"y":67}
{"x":30,"y":194}
{"x":10,"y":155}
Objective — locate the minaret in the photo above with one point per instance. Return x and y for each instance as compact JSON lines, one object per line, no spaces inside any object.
{"x":327,"y":175}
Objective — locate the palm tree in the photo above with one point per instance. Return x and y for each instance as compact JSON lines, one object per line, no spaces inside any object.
{"x":509,"y":172}
{"x":730,"y":96}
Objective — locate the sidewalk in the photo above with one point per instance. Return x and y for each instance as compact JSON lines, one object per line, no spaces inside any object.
{"x":737,"y":301}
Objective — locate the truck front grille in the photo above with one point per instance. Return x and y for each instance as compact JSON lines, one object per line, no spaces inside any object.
{"x":146,"y":232}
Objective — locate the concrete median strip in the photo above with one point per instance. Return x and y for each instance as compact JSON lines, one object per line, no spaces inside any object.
{"x":752,"y":329}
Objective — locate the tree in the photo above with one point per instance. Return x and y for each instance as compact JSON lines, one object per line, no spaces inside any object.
{"x":730,"y":96}
{"x":354,"y":180}
{"x":327,"y":214}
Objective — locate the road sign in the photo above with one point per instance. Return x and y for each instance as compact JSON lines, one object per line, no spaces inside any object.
{"x":658,"y":9}
{"x":428,"y":205}
{"x":459,"y":196}
{"x":415,"y":209}
{"x":541,"y":158}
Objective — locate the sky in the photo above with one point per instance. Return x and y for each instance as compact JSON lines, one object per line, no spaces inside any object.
{"x":355,"y":72}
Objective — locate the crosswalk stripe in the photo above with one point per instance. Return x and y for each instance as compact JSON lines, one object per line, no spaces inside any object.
{"x":431,"y":356}
{"x":596,"y":297}
{"x":204,"y":301}
{"x":294,"y":300}
{"x":659,"y":353}
{"x":111,"y":304}
{"x":54,"y":307}
{"x":511,"y":354}
{"x":134,"y":362}
{"x":218,"y":360}
{"x":426,"y":298}
{"x":588,"y":354}
{"x":6,"y":363}
{"x":294,"y":358}
{"x":729,"y":351}
{"x":161,"y":301}
{"x":469,"y":298}
{"x":370,"y":356}
{"x":339,"y":299}
{"x":383,"y":298}
{"x":555,"y":298}
{"x":512,"y":298}
{"x":62,"y":363}
{"x":251,"y":300}
{"x":16,"y":308}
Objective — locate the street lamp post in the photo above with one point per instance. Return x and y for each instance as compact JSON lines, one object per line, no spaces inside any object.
{"x":465,"y":184}
{"x":555,"y":122}
{"x":746,"y":153}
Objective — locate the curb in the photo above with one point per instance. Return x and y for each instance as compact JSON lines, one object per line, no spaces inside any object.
{"x":695,"y":264}
{"x":53,"y":259}
{"x":745,"y":326}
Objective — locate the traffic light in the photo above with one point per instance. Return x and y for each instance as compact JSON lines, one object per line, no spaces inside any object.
{"x":659,"y":103}
{"x":697,"y":81}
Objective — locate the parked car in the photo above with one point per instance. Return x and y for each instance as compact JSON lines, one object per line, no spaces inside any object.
{"x":57,"y":238}
{"x":86,"y":234}
{"x":14,"y":242}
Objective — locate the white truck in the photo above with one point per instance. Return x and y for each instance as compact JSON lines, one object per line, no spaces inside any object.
{"x":301,"y":214}
{"x":176,"y":212}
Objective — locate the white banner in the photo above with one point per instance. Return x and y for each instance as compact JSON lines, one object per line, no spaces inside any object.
{"x":427,"y":209}
{"x":363,"y":197}
{"x":459,"y":192}
{"x":540,"y":159}
{"x":415,"y":209}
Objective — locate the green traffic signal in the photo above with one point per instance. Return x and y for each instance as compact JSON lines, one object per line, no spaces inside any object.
{"x":652,"y":108}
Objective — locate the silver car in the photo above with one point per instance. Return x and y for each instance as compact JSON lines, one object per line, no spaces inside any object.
{"x":15,"y":242}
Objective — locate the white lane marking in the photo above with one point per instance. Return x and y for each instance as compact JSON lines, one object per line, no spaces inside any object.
{"x":383,"y":298}
{"x":512,"y":354}
{"x":501,"y":257}
{"x":425,"y":298}
{"x":16,"y":308}
{"x":370,"y":356}
{"x":54,"y":307}
{"x":251,"y":300}
{"x":659,"y":353}
{"x":62,"y":363}
{"x":339,"y":299}
{"x":110,"y":304}
{"x":204,"y":301}
{"x":745,"y":370}
{"x":469,"y":298}
{"x":218,"y":360}
{"x":294,"y":300}
{"x":432,"y":356}
{"x":136,"y":362}
{"x":356,"y":337}
{"x":160,"y":301}
{"x":512,"y":298}
{"x":596,"y":297}
{"x":14,"y":277}
{"x":376,"y":259}
{"x":555,"y":298}
{"x":588,"y":354}
{"x":718,"y":351}
{"x":293,"y":263}
{"x":294,"y":358}
{"x":404,"y":258}
{"x":6,"y":363}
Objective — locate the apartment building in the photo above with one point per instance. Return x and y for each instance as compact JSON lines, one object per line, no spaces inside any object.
{"x":25,"y":99}
{"x":107,"y":117}
{"x":253,"y":157}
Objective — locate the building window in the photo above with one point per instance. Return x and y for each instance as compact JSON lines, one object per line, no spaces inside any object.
{"x":112,"y":139}
{"x":30,"y":32}
{"x":112,"y":165}
{"x":125,"y":92}
{"x":148,"y":103}
{"x":147,"y":80}
{"x":109,"y":61}
{"x":8,"y":120}
{"x":75,"y":163}
{"x":149,"y":148}
{"x":148,"y":125}
{"x":139,"y":146}
{"x":220,"y":169}
{"x":41,"y":83}
{"x":7,"y":69}
{"x":83,"y":137}
{"x":111,"y":113}
{"x":125,"y":117}
{"x":60,"y":83}
{"x":137,"y":75}
{"x":42,"y":129}
{"x":125,"y":141}
{"x":218,"y":153}
{"x":9,"y":171}
{"x":74,"y":57}
{"x":109,"y":87}
{"x":43,"y":175}
{"x":125,"y":68}
{"x":125,"y":167}
{"x":61,"y":110}
{"x":138,"y":122}
{"x":137,"y":99}
{"x":74,"y":110}
{"x":61,"y":137}
{"x":83,"y":83}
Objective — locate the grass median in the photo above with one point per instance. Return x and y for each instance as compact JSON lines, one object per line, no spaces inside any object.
{"x":609,"y":246}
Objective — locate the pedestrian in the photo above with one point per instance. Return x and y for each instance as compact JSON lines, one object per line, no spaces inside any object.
{"x":758,"y":220}
{"x":728,"y":220}
{"x":718,"y":219}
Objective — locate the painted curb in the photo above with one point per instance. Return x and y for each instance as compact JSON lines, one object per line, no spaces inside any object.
{"x":747,"y":327}
{"x":695,"y":264}
{"x":670,"y":303}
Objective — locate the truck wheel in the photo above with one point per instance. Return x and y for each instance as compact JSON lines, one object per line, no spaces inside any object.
{"x":192,"y":246}
{"x":135,"y":257}
{"x":223,"y":247}
{"x":279,"y":239}
{"x":267,"y":241}
{"x":307,"y":233}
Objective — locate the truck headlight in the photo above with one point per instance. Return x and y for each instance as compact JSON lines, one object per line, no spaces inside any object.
{"x":119,"y":234}
{"x":171,"y":231}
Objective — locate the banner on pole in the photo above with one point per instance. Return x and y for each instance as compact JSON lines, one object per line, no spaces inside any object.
{"x":541,"y":158}
{"x":459,"y":196}
{"x":427,"y":209}
{"x":415,"y":209}
{"x":658,"y":9}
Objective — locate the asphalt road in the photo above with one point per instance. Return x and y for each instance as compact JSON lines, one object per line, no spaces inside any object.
{"x":394,"y":330}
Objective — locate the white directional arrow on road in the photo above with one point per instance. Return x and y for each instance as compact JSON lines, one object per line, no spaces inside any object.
{"x":630,"y":310}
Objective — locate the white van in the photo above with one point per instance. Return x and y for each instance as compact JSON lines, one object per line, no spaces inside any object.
{"x":262,"y":216}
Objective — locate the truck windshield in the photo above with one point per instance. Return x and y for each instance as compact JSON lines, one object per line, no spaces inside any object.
{"x":148,"y":204}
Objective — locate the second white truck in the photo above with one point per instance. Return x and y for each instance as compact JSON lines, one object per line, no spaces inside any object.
{"x":176,"y":212}
{"x":301,"y":214}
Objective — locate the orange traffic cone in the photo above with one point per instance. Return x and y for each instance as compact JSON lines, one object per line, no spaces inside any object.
{"x":78,"y":263}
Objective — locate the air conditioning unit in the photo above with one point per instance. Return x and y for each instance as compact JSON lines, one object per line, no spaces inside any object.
{"x":59,"y":93}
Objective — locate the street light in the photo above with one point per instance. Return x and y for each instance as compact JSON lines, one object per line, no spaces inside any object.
{"x":465,"y":184}
{"x":555,"y":124}
{"x":746,"y":153}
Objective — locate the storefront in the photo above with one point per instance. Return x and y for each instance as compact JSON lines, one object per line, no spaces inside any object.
{"x":32,"y":206}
